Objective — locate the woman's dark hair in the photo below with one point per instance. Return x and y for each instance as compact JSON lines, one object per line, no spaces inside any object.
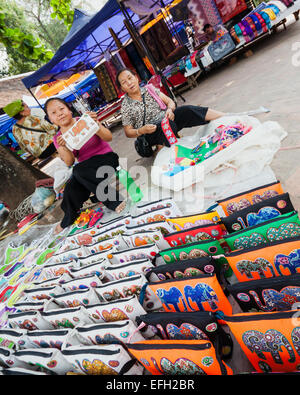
{"x":121,"y":71}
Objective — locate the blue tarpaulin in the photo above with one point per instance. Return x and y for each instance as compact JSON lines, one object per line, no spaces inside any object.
{"x":85,"y":44}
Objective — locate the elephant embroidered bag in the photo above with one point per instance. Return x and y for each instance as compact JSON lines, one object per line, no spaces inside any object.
{"x":109,"y":359}
{"x":279,"y":258}
{"x":201,"y":293}
{"x":190,"y":221}
{"x":283,"y":227}
{"x":118,"y":272}
{"x":179,"y":357}
{"x":199,"y":325}
{"x":258,"y":213}
{"x":132,"y":254}
{"x":168,"y":203}
{"x":196,"y":233}
{"x":271,"y":341}
{"x":269,"y":294}
{"x":184,"y":269}
{"x":247,"y":198}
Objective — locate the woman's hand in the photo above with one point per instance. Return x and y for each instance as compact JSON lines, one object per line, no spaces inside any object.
{"x":93,"y":115}
{"x":61,"y":141}
{"x":170,"y":114}
{"x":147,"y":129}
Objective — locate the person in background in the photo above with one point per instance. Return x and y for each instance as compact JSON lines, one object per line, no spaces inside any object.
{"x":142,"y":114}
{"x":33,"y":134}
{"x":214,"y":33}
{"x":94,"y":154}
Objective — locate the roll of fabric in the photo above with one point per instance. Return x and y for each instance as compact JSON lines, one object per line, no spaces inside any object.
{"x":105,"y":82}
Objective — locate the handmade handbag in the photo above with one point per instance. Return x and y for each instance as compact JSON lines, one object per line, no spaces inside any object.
{"x":245,"y":199}
{"x":142,"y":147}
{"x":279,"y":258}
{"x":66,"y":318}
{"x":29,"y":320}
{"x":80,"y":297}
{"x":189,"y":221}
{"x":160,"y":214}
{"x":82,"y":283}
{"x":196,"y":233}
{"x":143,"y":238}
{"x":148,"y":251}
{"x":201,"y":293}
{"x":54,"y":338}
{"x":88,"y":270}
{"x":163,"y":226}
{"x":142,"y":208}
{"x":190,"y":251}
{"x":118,"y":272}
{"x":282,"y":227}
{"x":269,"y":340}
{"x":105,"y":333}
{"x":258,"y":213}
{"x":179,"y":357}
{"x":199,"y":325}
{"x":184,"y":269}
{"x":109,"y":359}
{"x":269,"y":294}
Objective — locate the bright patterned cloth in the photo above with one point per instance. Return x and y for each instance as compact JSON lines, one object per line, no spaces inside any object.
{"x":34,"y":142}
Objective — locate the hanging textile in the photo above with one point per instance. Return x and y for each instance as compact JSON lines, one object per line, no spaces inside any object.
{"x":229,"y":8}
{"x":202,"y":12}
{"x":127,"y":62}
{"x":180,"y":11}
{"x":106,"y":83}
{"x":145,"y":7}
{"x":118,"y":62}
{"x":137,"y":62}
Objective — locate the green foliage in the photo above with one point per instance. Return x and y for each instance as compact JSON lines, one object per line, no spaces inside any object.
{"x":63,"y":11}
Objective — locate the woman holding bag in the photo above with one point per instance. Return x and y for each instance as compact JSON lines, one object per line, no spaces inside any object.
{"x":143,"y":110}
{"x":94,"y":154}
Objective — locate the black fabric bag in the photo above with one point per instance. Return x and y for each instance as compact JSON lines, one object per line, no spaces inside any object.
{"x":269,"y":294}
{"x":258,"y":213}
{"x":189,"y":326}
{"x":142,"y":147}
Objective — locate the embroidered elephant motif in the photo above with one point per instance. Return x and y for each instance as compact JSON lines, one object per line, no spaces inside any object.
{"x":263,"y":215}
{"x":296,"y":339}
{"x":200,"y":294}
{"x":171,"y":297}
{"x":270,"y":342}
{"x":275,"y":300}
{"x":290,"y":262}
{"x":260,"y":265}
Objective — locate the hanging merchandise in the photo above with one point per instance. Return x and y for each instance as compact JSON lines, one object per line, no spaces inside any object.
{"x":230,"y":8}
{"x":105,"y":82}
{"x":202,"y":12}
{"x":137,"y":62}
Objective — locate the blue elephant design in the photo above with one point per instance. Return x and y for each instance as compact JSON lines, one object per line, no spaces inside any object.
{"x":275,"y":300}
{"x":291,"y":262}
{"x":171,"y":297}
{"x":296,"y":339}
{"x":270,"y":342}
{"x":199,"y":294}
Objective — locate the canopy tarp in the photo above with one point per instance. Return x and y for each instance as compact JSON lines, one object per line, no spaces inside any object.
{"x":85,"y":44}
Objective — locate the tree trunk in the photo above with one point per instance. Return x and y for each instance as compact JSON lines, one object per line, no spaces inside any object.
{"x":17,"y":178}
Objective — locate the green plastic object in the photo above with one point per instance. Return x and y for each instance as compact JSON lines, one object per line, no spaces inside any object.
{"x":133,"y":190}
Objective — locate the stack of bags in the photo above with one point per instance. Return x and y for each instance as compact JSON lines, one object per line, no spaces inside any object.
{"x":156,"y":292}
{"x":259,"y":21}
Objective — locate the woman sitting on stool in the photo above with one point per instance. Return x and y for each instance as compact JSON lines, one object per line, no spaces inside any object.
{"x":143,"y":111}
{"x":91,"y":156}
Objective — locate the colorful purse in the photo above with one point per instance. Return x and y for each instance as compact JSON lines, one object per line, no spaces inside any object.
{"x":283,"y":227}
{"x":179,"y":357}
{"x":269,"y":294}
{"x":258,"y":213}
{"x":184,"y":269}
{"x":11,"y":338}
{"x":109,"y":359}
{"x":122,"y":309}
{"x":245,"y":199}
{"x":201,"y":293}
{"x":35,"y":294}
{"x":280,"y":258}
{"x":111,"y":333}
{"x":66,"y":318}
{"x":29,"y":320}
{"x":103,"y":245}
{"x":81,"y":297}
{"x":148,"y":251}
{"x":82,"y":283}
{"x":199,"y":325}
{"x":88,"y":270}
{"x":191,"y":221}
{"x":167,"y":203}
{"x":269,"y":340}
{"x":55,"y":338}
{"x":118,"y":272}
{"x":189,"y":251}
{"x":196,"y":233}
{"x":144,"y":238}
{"x":163,"y":226}
{"x":153,"y":216}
